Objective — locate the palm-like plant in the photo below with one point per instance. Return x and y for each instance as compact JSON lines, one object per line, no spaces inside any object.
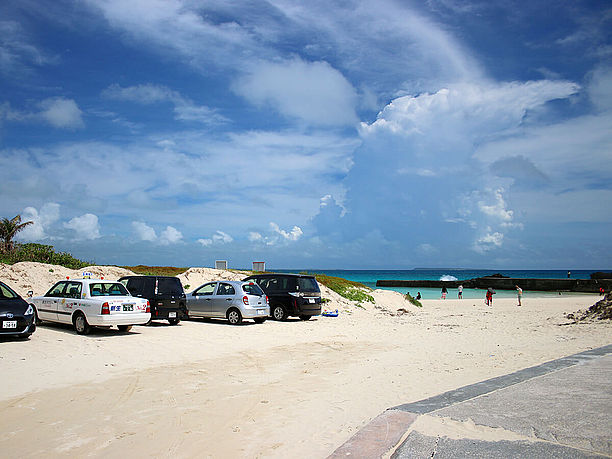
{"x":8,"y":230}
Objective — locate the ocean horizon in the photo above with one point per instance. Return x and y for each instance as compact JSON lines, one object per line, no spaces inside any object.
{"x":369,"y":277}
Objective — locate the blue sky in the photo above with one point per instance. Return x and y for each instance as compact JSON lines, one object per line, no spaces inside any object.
{"x":342,"y":134}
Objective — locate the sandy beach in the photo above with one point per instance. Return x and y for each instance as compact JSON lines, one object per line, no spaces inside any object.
{"x":278,"y":389}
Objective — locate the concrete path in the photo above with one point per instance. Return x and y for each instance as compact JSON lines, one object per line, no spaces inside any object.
{"x":560,"y":409}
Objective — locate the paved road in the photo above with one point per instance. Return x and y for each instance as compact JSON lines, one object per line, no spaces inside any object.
{"x":560,"y":409}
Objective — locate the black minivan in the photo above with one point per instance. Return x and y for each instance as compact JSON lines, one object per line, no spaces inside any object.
{"x":165,"y":294}
{"x":290,"y":294}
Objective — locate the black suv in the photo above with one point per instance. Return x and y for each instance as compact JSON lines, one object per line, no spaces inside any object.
{"x":165,"y":294}
{"x":290,"y":294}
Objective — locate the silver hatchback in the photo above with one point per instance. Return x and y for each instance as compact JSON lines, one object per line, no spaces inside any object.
{"x":233,"y":300}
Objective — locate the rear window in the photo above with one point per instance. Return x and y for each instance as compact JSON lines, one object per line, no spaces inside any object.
{"x":277,"y":284}
{"x":252,"y":289}
{"x":169,"y":286}
{"x":6,"y":292}
{"x":108,"y":289}
{"x":307,"y":284}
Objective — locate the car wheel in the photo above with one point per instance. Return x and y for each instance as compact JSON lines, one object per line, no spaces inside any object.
{"x":279,"y":313}
{"x":80,"y":324}
{"x":174,"y":321}
{"x":305,"y":317}
{"x":234,"y":316}
{"x":259,"y":320}
{"x":124,"y":328}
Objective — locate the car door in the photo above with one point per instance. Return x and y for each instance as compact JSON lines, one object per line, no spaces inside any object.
{"x":69,"y":301}
{"x":200,"y":301}
{"x":223,"y":299}
{"x":47,"y":308}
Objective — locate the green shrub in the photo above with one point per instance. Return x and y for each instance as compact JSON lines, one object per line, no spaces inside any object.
{"x":42,"y":254}
{"x":413,"y":300}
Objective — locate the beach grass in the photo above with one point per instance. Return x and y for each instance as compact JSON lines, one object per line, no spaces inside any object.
{"x":350,"y":290}
{"x":413,"y":300}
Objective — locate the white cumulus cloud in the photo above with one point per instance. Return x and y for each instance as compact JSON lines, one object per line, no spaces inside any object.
{"x":170,"y":236}
{"x":488,"y":242}
{"x":41,"y":220}
{"x":144,"y":231}
{"x":86,"y":226}
{"x":218,"y":238}
{"x":293,"y":235}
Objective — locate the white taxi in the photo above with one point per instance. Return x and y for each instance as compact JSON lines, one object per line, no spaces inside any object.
{"x":87,"y":303}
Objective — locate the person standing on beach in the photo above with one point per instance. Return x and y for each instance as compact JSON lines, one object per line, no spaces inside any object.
{"x":418,"y":297}
{"x":489,"y":298}
{"x":444,"y":292}
{"x":519,"y":294}
{"x":460,"y":294}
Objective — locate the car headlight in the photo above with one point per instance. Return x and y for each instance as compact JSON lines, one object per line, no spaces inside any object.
{"x":29,"y":311}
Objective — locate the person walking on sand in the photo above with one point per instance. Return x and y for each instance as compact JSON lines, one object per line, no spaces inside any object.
{"x":460,"y":294}
{"x":489,"y":298}
{"x":519,"y":294}
{"x":444,"y":292}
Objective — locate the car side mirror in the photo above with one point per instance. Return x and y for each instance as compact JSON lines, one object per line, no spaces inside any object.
{"x":30,"y":293}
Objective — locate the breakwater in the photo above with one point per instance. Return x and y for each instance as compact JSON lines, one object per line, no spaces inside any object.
{"x":508,"y":283}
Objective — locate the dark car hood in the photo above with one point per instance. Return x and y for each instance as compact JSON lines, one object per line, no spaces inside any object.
{"x":15,"y":306}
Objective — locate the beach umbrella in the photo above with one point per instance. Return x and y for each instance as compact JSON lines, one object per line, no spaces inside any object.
{"x":491,"y":290}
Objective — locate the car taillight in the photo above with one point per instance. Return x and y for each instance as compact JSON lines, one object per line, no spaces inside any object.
{"x":148,"y":306}
{"x":245,"y":299}
{"x":267,"y":300}
{"x":105,"y":309}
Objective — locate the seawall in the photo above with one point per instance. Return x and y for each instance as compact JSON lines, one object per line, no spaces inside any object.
{"x":508,"y":283}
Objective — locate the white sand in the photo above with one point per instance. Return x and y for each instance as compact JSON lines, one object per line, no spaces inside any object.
{"x":279,"y":389}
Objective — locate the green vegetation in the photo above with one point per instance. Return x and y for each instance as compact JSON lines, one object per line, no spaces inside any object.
{"x":413,"y":300}
{"x":42,"y":254}
{"x":350,"y":290}
{"x":156,"y":270}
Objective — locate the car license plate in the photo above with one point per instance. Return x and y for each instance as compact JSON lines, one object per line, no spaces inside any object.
{"x":9,"y":324}
{"x":128,"y":307}
{"x":261,"y":312}
{"x":311,"y":300}
{"x":172,"y":315}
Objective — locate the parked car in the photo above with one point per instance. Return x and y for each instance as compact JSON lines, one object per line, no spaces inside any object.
{"x":290,"y":294}
{"x":17,"y":317}
{"x":165,"y":294}
{"x":234,"y":300}
{"x":87,"y":303}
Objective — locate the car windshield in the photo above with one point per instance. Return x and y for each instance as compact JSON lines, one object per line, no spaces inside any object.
{"x":107,"y":289}
{"x":170,"y":286}
{"x":6,"y":293}
{"x":252,"y":289}
{"x":307,"y":284}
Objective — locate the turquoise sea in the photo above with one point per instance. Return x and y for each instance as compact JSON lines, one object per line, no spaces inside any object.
{"x":369,"y":278}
